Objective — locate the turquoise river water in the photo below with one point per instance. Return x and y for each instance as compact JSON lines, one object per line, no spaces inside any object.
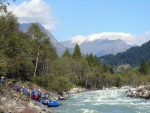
{"x":103,"y":101}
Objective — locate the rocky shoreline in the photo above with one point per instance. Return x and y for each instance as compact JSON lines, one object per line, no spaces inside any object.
{"x":15,"y":102}
{"x":139,"y":92}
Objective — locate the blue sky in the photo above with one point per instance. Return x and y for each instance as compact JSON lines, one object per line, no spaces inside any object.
{"x":86,"y":17}
{"x":70,"y":18}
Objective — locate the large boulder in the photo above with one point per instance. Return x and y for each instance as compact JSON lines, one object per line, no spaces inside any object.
{"x":139,"y":92}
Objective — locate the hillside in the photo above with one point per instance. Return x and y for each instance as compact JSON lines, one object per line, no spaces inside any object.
{"x":132,"y":56}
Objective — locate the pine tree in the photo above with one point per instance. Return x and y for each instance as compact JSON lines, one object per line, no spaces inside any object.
{"x":77,"y":52}
{"x":143,"y":67}
{"x":66,"y":54}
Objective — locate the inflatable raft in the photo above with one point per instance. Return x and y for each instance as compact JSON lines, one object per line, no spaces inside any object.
{"x":53,"y":104}
{"x":44,"y":102}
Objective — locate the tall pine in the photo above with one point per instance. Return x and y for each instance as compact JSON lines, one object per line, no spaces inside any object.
{"x":77,"y":52}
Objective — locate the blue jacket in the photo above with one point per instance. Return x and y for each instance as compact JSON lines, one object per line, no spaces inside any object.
{"x":33,"y":92}
{"x":2,"y":81}
{"x":40,"y":94}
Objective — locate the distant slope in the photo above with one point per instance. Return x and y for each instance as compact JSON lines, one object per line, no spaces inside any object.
{"x":99,"y":47}
{"x":103,"y":47}
{"x":59,"y":47}
{"x":132,"y":56}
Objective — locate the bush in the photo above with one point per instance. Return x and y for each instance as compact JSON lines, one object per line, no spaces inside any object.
{"x":61,"y":84}
{"x":55,"y":83}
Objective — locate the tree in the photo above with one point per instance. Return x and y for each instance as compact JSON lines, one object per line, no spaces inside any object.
{"x":92,"y":60}
{"x":66,"y":54}
{"x":77,"y":52}
{"x":14,"y":58}
{"x":8,"y":25}
{"x":38,"y":35}
{"x":118,"y":81}
{"x":47,"y":56}
{"x":43,"y":52}
{"x":143,"y":67}
{"x":4,"y":4}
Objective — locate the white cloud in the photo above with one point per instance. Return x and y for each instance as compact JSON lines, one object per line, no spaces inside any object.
{"x":78,"y":39}
{"x":126,"y":37}
{"x":35,"y":11}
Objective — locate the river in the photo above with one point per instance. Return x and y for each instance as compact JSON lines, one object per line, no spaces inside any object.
{"x":103,"y":101}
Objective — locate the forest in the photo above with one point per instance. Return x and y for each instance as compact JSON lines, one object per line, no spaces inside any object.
{"x":31,"y":57}
{"x":132,"y":56}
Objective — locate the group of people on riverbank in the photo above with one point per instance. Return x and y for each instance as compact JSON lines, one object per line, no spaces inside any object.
{"x":35,"y":94}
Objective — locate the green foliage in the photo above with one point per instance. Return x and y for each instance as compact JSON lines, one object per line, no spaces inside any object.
{"x":43,"y":51}
{"x":36,"y":33}
{"x":4,"y":4}
{"x":118,"y":81}
{"x":62,"y":67}
{"x":66,"y":54}
{"x":23,"y":55}
{"x":132,"y":56}
{"x":43,"y":81}
{"x":19,"y":50}
{"x":77,"y":52}
{"x":53,"y":83}
{"x":92,"y":60}
{"x":61,"y":84}
{"x":144,"y":67}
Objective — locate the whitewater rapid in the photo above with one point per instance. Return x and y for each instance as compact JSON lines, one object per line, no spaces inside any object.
{"x":103,"y":101}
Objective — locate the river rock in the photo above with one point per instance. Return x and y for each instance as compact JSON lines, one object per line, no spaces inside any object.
{"x":3,"y":99}
{"x":76,"y":90}
{"x":139,"y":92}
{"x":53,"y":96}
{"x":29,"y":110}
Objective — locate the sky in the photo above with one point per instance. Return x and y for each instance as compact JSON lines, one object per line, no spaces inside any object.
{"x":128,"y":20}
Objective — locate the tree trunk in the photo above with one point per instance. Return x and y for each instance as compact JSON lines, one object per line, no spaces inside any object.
{"x":37,"y":58}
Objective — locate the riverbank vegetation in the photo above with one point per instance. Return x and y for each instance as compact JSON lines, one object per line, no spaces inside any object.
{"x":30,"y":56}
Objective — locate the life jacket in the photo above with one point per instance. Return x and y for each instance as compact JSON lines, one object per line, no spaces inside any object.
{"x":40,"y":94}
{"x":36,"y":97}
{"x":33,"y":92}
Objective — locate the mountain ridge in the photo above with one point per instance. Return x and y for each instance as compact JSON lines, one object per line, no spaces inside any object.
{"x":59,"y":47}
{"x":98,"y":44}
{"x":99,"y":47}
{"x":132,"y":56}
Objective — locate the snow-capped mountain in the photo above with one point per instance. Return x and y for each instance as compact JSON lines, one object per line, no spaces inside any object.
{"x":99,"y":45}
{"x":59,"y":47}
